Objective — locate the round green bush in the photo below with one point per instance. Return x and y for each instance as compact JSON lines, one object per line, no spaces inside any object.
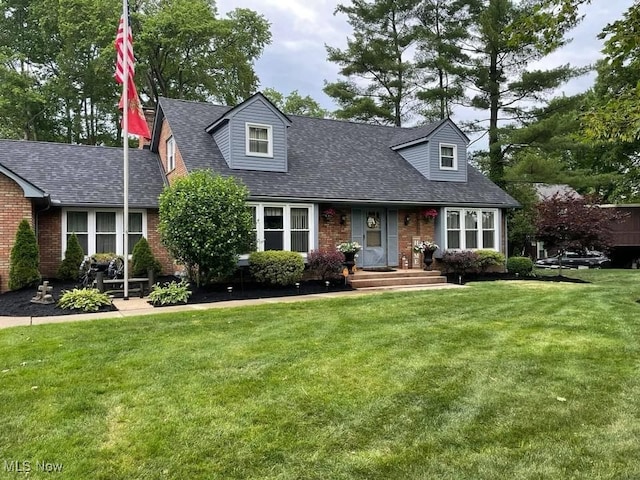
{"x":275,"y":267}
{"x":520,"y":265}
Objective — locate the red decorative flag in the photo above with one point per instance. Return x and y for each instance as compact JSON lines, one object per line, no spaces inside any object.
{"x":137,"y":124}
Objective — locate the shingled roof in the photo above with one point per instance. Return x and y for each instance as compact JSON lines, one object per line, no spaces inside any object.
{"x":81,"y":175}
{"x":330,"y":160}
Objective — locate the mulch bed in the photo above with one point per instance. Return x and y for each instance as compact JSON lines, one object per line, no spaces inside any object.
{"x":18,"y":303}
{"x":495,"y":276}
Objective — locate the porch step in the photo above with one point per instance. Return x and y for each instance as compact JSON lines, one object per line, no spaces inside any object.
{"x":397,"y":278}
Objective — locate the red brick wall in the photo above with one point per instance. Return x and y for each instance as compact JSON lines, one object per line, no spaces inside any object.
{"x":49,"y":233}
{"x":331,"y":232}
{"x":181,"y":169}
{"x":153,"y":237}
{"x":13,"y":209}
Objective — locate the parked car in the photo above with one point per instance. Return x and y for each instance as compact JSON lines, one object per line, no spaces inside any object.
{"x":570,"y":259}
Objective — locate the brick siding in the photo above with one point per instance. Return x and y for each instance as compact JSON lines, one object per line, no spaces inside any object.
{"x":13,"y":209}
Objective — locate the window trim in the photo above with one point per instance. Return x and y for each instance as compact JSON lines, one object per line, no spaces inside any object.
{"x":286,"y":232}
{"x":269,"y":129}
{"x":171,"y":154}
{"x":463,"y":230}
{"x":91,"y":228}
{"x":455,"y":156}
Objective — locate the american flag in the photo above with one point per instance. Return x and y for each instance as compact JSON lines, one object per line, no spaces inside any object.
{"x":137,"y":124}
{"x":121,"y":45}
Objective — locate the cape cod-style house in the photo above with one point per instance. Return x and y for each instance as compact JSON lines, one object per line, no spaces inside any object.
{"x":313,"y":183}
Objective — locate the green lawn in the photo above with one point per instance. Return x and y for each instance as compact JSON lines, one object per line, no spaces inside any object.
{"x":518,"y":380}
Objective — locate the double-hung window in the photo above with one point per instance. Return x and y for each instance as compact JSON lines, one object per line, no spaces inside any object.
{"x":283,"y":227}
{"x":448,"y":156}
{"x":171,"y":154}
{"x":259,"y":140}
{"x":102,"y":231}
{"x":471,"y":229}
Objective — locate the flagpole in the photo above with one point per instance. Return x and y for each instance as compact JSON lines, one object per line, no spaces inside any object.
{"x":125,"y":136}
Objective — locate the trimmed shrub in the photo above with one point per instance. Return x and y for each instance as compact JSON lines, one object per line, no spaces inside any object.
{"x":520,"y":265}
{"x":489,"y":258}
{"x":84,"y":299}
{"x":25,"y":258}
{"x":465,"y":261}
{"x":276,"y":267}
{"x":325,"y":264}
{"x":143,"y":260}
{"x":73,"y":257}
{"x":171,"y":293}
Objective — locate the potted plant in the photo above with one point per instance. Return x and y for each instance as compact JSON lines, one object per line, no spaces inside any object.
{"x":349,"y":250}
{"x":426,"y":247}
{"x":429,"y":214}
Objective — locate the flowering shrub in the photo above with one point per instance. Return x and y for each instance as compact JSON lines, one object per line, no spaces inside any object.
{"x":425,"y":246}
{"x":349,"y":247}
{"x":429,"y":214}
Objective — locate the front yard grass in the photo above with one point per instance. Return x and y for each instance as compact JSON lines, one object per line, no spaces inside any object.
{"x":499,"y":380}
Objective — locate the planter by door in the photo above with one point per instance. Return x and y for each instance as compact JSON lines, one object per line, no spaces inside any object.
{"x":427,"y":258}
{"x":349,"y":260}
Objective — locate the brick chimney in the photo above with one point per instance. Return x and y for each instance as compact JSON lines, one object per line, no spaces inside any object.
{"x":149,"y":115}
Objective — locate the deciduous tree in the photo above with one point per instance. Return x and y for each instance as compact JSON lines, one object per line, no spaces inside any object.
{"x":568,"y":221}
{"x":205,"y":223}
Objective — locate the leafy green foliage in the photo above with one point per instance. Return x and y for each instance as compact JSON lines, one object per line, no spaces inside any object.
{"x":616,"y":115}
{"x":295,"y":104}
{"x":57,"y":61}
{"x":460,"y":262}
{"x":171,"y":293}
{"x":489,"y":258}
{"x":206,"y":224}
{"x":276,"y":267}
{"x":83,"y":299}
{"x":520,"y":265}
{"x":188,"y":52}
{"x":325,"y":264}
{"x":73,"y":257}
{"x":24,"y":259}
{"x":143,"y":260}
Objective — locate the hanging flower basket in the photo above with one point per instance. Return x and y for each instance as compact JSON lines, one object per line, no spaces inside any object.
{"x":328,"y":214}
{"x":429,"y":214}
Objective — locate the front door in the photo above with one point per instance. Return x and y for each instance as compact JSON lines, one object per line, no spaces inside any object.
{"x":374,"y":250}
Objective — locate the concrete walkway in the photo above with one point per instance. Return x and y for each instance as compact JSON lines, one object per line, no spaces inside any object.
{"x":136,"y":306}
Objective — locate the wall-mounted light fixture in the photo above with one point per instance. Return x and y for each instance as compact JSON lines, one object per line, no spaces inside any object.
{"x":343,"y":219}
{"x":407,"y":219}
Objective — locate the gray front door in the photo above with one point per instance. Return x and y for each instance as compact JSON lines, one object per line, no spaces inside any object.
{"x":374,"y":249}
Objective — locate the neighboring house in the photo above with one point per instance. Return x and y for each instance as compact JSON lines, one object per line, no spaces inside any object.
{"x":377,"y":179}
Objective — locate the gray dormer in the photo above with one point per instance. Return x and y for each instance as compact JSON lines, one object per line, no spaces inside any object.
{"x":437,"y":151}
{"x":253,"y":136}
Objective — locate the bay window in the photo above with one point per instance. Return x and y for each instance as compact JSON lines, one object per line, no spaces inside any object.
{"x":102,"y":231}
{"x":471,"y":229}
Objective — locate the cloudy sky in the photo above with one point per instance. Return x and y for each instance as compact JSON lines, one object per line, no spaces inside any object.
{"x":296,"y":58}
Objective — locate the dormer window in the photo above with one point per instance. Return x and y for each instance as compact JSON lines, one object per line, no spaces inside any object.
{"x":171,"y":154}
{"x":448,"y":156}
{"x":259,"y":140}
